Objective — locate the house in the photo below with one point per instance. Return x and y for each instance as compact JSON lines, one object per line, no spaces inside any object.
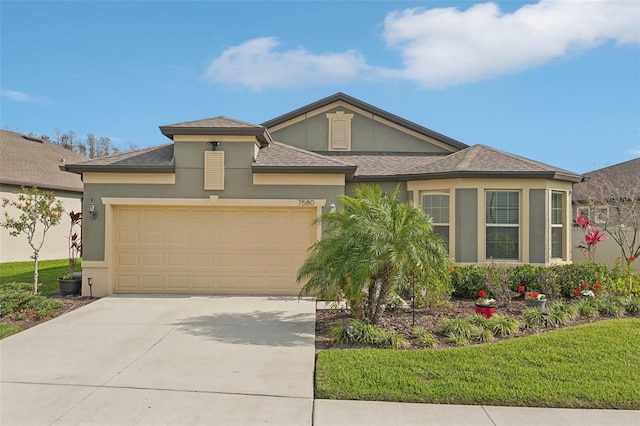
{"x":32,"y":162}
{"x":227,"y":207}
{"x":610,"y":198}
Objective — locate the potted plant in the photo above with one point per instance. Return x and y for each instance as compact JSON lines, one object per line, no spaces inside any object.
{"x":71,"y":283}
{"x":485,"y":306}
{"x":533,"y":299}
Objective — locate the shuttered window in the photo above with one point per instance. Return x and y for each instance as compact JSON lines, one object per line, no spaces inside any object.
{"x":214,"y":170}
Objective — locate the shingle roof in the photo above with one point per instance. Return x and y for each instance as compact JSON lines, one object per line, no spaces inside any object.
{"x":29,"y":161}
{"x":217,"y":126}
{"x":484,"y":161}
{"x":626,"y":173}
{"x":369,"y":108}
{"x":154,"y":159}
{"x":281,"y":157}
{"x":385,"y":164}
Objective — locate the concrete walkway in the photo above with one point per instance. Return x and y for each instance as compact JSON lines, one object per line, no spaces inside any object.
{"x":200,"y":360}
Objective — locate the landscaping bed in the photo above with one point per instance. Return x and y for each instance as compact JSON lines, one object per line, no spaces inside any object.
{"x":402,"y":321}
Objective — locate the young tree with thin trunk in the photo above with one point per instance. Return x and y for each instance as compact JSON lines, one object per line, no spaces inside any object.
{"x":613,"y":196}
{"x":370,"y":249}
{"x":39,"y":211}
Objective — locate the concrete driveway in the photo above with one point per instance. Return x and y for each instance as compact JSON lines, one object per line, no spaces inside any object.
{"x":164,"y":360}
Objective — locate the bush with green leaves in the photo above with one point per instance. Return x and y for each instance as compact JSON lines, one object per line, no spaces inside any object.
{"x":459,"y":326}
{"x":18,"y":299}
{"x":467,"y":280}
{"x":632,"y":306}
{"x":571,"y":276}
{"x":560,"y":313}
{"x":611,"y":306}
{"x":425,"y":337}
{"x":534,"y":318}
{"x":496,"y":280}
{"x":525,"y":275}
{"x":354,"y":331}
{"x":623,"y":280}
{"x":503,"y":325}
{"x":586,"y":308}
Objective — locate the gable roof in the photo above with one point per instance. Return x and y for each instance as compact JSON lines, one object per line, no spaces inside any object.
{"x":618,"y":175}
{"x":369,"y":108}
{"x":31,"y":161}
{"x":217,"y":126}
{"x":279,"y":157}
{"x":156,"y":159}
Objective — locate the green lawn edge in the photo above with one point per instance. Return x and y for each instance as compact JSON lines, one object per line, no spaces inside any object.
{"x":48,"y":273}
{"x":594,"y":365}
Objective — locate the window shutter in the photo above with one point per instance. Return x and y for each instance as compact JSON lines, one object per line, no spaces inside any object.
{"x":214,"y":170}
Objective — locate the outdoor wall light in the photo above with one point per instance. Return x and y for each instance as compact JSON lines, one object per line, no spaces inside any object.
{"x":92,"y":209}
{"x":332,"y":207}
{"x":214,"y":145}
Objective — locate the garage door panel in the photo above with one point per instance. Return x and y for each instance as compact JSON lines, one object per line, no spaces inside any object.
{"x":222,"y":250}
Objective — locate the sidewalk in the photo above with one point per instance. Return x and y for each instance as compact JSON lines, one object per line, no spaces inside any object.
{"x":369,"y":413}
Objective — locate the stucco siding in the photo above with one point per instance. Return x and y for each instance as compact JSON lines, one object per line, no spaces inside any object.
{"x":538,"y":226}
{"x":17,"y":249}
{"x":466,"y":226}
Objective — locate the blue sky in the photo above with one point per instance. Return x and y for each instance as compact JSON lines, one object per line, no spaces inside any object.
{"x":557,"y":82}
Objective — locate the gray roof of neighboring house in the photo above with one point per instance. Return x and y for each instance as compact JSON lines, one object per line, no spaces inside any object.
{"x":621,"y":175}
{"x":279,"y":157}
{"x":371,"y":109}
{"x":217,"y":126}
{"x":30,"y":161}
{"x":156,"y":159}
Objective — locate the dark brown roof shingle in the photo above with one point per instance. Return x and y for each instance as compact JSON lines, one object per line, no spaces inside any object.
{"x":153,"y":159}
{"x":281,"y":157}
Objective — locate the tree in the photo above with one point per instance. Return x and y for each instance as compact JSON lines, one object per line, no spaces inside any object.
{"x":39,"y":211}
{"x":613,"y":196}
{"x":370,"y":249}
{"x":92,"y":147}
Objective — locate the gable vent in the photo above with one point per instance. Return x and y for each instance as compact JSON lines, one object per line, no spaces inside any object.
{"x":214,"y":170}
{"x":339,"y":131}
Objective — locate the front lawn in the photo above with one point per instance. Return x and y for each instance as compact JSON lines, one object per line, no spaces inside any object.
{"x":48,"y":273}
{"x":595,"y":365}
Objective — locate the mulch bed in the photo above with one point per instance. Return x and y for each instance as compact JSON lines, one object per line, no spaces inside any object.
{"x":70,"y":303}
{"x":403,"y":322}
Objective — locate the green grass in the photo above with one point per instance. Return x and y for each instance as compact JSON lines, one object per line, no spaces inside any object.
{"x":48,"y":273}
{"x":593,"y":365}
{"x":8,"y":329}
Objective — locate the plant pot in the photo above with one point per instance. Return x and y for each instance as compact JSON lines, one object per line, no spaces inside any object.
{"x":534,"y":303}
{"x":70,"y":287}
{"x":486,"y":311}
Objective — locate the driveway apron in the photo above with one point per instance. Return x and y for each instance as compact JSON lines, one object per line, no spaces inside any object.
{"x":164,"y":360}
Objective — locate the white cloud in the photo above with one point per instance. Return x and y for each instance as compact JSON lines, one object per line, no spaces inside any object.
{"x":445,"y":47}
{"x":23,"y":97}
{"x":257,"y":64}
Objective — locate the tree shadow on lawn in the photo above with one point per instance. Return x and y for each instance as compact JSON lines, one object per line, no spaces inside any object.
{"x":270,"y":328}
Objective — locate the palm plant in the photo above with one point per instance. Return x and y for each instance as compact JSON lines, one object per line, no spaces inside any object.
{"x":369,"y":249}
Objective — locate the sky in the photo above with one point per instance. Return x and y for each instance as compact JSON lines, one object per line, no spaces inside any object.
{"x":553,"y":81}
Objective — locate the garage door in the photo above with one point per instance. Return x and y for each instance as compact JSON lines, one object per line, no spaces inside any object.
{"x":222,"y":250}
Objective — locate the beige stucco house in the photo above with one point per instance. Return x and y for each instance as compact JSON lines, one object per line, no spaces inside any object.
{"x":32,"y":162}
{"x":227,"y":207}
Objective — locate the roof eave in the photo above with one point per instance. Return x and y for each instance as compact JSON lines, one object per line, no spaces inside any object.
{"x":474,"y":174}
{"x":114,"y":168}
{"x":347,"y":171}
{"x":43,"y":186}
{"x":261,"y":133}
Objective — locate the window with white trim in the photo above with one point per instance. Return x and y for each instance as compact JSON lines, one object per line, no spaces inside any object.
{"x":557,"y":224}
{"x":436,"y":205}
{"x":502,"y":219}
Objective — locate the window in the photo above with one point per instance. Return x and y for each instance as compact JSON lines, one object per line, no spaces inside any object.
{"x":436,"y":205}
{"x":502,"y":218}
{"x":557,"y":209}
{"x":214,"y":170}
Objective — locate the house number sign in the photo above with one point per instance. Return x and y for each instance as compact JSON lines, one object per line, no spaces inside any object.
{"x":306,"y":203}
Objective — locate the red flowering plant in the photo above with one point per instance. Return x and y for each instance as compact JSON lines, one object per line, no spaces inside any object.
{"x":483,"y":300}
{"x":592,"y":236}
{"x":534,"y":295}
{"x":585,"y":291}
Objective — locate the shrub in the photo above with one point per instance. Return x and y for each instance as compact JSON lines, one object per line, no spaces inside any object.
{"x":571,"y":276}
{"x":534,"y":318}
{"x":586,"y":308}
{"x":457,"y":340}
{"x":559,"y":313}
{"x":496,"y":279}
{"x":547,"y":283}
{"x":354,"y":331}
{"x":390,"y":340}
{"x":502,"y":325}
{"x":18,"y":299}
{"x":457,"y":327}
{"x":632,"y":306}
{"x":610,"y":306}
{"x":467,"y":280}
{"x":425,"y":337}
{"x":484,"y":335}
{"x":624,"y":281}
{"x":524,"y":275}
{"x":395,"y":303}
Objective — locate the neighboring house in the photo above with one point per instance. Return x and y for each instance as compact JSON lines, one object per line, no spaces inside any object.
{"x":604,"y":198}
{"x":32,"y":162}
{"x":228,"y":206}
